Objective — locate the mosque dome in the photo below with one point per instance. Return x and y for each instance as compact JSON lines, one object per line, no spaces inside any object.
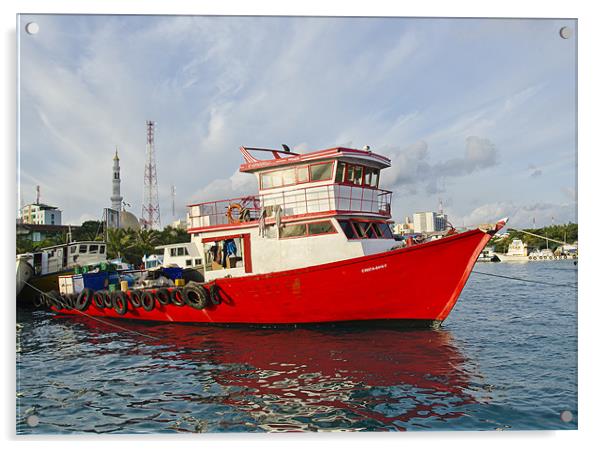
{"x":128,"y":220}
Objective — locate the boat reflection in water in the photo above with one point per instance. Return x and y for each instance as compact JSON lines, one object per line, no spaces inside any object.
{"x":301,"y":379}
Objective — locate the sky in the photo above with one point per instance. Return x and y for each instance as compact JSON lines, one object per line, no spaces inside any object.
{"x":479,"y":114}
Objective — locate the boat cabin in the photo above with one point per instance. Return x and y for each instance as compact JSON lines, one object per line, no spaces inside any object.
{"x":311,"y":209}
{"x":54,"y":259}
{"x":183,"y":255}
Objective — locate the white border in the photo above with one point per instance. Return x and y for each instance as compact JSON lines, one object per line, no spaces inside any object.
{"x":589,"y":202}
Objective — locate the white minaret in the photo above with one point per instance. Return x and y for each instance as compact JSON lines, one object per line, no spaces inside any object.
{"x":116,"y":198}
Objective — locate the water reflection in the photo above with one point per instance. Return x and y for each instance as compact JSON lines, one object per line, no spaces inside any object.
{"x":236,"y":379}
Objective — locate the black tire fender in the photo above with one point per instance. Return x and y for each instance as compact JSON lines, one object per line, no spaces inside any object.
{"x":120,"y":302}
{"x":147,"y":300}
{"x":163,"y":296}
{"x":135,"y":298}
{"x":195,"y":296}
{"x":99,"y":299}
{"x":176,"y":297}
{"x":83,"y":300}
{"x":214,"y":295}
{"x":107,"y":299}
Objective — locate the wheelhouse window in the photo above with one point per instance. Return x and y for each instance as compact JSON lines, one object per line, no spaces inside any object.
{"x":371,"y":177}
{"x":321,"y":172}
{"x":101,"y":249}
{"x":354,"y":174}
{"x":93,"y":249}
{"x":296,"y":175}
{"x":303,"y":174}
{"x":354,"y":229}
{"x":83,"y":249}
{"x":357,"y":175}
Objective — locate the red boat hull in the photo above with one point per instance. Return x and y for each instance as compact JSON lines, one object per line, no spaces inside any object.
{"x":417,"y":284}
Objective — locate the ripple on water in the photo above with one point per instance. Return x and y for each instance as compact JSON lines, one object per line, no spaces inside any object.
{"x":504,"y":360}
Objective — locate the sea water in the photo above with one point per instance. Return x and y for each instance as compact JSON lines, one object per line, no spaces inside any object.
{"x":505,"y":359}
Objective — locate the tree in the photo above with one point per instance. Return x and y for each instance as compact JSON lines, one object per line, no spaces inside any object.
{"x":170,"y":235}
{"x":89,"y":230}
{"x":118,"y":241}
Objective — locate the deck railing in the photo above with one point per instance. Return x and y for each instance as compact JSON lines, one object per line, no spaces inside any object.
{"x":309,"y":200}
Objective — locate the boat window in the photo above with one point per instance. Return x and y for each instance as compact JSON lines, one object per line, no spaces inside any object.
{"x":385,"y":230}
{"x":271,"y":179}
{"x":303,"y":174}
{"x":102,"y":249}
{"x":73,"y":249}
{"x":321,"y":172}
{"x":321,"y":227}
{"x":188,"y":262}
{"x":293,"y":230}
{"x":198,"y":261}
{"x":370,"y":232}
{"x":182,"y":251}
{"x":360,"y":229}
{"x":83,"y":248}
{"x":172,"y":252}
{"x":93,"y":249}
{"x":347,"y":229}
{"x":229,"y":252}
{"x":288,"y":177}
{"x":354,"y":174}
{"x":371,"y":177}
{"x":340,"y":172}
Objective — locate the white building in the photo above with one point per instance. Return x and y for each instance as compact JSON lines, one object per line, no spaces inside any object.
{"x":37,"y":213}
{"x":429,"y":222}
{"x":407,"y":227}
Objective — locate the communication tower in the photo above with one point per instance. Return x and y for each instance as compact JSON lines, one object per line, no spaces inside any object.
{"x":151,"y":216}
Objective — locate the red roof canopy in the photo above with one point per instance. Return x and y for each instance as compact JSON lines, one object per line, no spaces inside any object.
{"x":253,"y":164}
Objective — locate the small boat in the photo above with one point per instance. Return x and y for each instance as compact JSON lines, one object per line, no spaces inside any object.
{"x":313,"y":246}
{"x":517,"y":252}
{"x":40,"y":270}
{"x":486,"y":255}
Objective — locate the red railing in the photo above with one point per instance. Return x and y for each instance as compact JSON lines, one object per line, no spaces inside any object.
{"x":339,"y":198}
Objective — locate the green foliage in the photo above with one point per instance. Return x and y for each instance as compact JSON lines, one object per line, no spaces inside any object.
{"x":131,"y":245}
{"x":564,"y":233}
{"x":89,"y":230}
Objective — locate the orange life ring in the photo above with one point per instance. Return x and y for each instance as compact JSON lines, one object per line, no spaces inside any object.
{"x":231,"y":208}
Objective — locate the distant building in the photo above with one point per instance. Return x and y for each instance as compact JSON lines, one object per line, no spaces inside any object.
{"x":407,"y":227}
{"x":40,"y":214}
{"x":179,"y":224}
{"x":429,"y":222}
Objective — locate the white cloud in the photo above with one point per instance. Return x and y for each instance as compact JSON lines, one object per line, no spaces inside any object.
{"x":311,"y":83}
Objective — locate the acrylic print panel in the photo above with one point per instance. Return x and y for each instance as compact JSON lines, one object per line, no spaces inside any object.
{"x":364,"y":299}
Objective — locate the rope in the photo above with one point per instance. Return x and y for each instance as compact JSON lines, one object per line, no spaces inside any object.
{"x":527,"y":280}
{"x":108,"y":323}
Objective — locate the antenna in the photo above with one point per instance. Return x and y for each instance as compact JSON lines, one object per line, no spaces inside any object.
{"x":38,"y":194}
{"x":440,"y":206}
{"x":173,"y":201}
{"x":151,"y":216}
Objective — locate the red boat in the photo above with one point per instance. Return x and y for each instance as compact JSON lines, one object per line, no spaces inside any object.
{"x":314,"y":246}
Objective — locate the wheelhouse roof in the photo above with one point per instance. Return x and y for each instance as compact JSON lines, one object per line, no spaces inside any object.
{"x":253,"y":164}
